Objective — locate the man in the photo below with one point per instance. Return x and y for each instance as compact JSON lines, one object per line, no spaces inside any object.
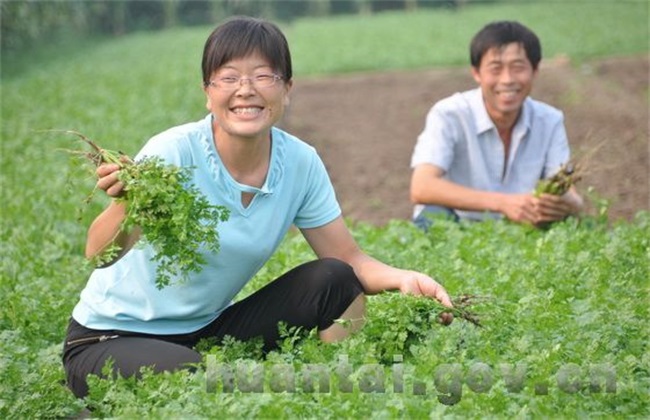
{"x":483,"y":151}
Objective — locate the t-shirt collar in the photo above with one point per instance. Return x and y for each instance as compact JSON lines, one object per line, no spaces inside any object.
{"x":276,"y":168}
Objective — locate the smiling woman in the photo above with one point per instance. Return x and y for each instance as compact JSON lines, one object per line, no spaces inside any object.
{"x":268,"y":180}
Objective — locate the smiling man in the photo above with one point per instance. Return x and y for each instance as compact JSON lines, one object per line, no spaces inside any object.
{"x":483,"y":151}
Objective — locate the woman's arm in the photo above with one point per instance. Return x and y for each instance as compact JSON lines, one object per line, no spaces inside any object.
{"x":334,"y":240}
{"x":105,"y":231}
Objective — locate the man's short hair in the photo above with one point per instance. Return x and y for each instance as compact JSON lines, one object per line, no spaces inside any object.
{"x":501,"y":33}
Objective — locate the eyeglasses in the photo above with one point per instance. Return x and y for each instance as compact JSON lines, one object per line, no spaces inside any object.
{"x":260,"y":81}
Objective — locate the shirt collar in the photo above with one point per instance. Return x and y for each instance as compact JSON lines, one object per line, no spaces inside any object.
{"x":276,"y":165}
{"x":522,"y":126}
{"x":484,"y":122}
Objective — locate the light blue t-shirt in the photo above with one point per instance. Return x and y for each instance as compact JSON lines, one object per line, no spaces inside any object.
{"x":297,"y":192}
{"x":460,"y":138}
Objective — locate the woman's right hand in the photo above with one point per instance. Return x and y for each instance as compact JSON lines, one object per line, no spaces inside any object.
{"x":108,"y":179}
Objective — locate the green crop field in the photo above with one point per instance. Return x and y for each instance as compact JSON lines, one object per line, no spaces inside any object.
{"x":564,"y":312}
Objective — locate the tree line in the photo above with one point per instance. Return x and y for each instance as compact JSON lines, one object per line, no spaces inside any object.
{"x":26,"y":22}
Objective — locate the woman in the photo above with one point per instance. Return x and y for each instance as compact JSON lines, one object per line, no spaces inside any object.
{"x":269,"y":180}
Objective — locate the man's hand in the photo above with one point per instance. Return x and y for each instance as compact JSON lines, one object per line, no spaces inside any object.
{"x":520,"y":208}
{"x":552,"y":208}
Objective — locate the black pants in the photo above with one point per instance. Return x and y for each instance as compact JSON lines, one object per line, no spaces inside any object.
{"x":311,"y":295}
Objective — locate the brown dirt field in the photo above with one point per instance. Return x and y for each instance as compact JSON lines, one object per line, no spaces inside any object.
{"x":365,"y":127}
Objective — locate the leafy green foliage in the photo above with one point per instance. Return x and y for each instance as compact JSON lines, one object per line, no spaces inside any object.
{"x":32,"y":382}
{"x":399,"y":40}
{"x":574,"y":294}
{"x":577,"y":293}
{"x":175,"y":218}
{"x":172,"y":214}
{"x":387,"y":40}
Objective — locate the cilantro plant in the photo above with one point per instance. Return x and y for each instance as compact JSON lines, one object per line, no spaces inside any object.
{"x":560,"y":182}
{"x":175,"y":218}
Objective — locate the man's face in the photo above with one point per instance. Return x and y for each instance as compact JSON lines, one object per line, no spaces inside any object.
{"x":505,"y":76}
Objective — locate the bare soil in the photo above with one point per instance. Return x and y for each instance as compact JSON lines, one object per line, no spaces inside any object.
{"x":365,"y":127}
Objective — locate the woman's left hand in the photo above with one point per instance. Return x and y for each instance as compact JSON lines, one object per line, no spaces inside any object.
{"x":419,"y":284}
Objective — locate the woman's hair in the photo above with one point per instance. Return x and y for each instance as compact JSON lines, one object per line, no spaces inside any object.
{"x":499,"y":34}
{"x":242,"y":36}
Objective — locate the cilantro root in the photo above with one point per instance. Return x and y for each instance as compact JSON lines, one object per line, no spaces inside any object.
{"x":175,"y":218}
{"x":462,"y":310}
{"x":445,"y":317}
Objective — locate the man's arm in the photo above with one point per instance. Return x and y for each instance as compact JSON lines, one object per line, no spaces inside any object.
{"x":429,"y":187}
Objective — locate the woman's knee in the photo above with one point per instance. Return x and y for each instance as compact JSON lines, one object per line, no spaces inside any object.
{"x":350,"y":321}
{"x":332,"y":273}
{"x":335,"y":286}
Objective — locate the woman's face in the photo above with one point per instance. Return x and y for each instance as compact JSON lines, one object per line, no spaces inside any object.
{"x":241,"y":100}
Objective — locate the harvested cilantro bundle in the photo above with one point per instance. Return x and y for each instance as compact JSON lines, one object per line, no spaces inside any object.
{"x":560,"y":182}
{"x":174,"y":217}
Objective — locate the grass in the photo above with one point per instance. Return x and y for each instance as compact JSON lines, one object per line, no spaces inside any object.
{"x":564,"y":333}
{"x":399,"y":40}
{"x":574,"y":294}
{"x":395,"y":40}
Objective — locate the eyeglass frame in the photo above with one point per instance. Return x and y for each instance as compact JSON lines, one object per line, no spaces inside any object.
{"x":240,"y":82}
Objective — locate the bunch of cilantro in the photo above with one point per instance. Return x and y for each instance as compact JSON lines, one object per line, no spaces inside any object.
{"x":175,"y":218}
{"x":560,"y":182}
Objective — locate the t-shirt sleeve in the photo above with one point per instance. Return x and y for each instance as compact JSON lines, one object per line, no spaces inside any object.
{"x":319,"y":205}
{"x":435,"y":145}
{"x":558,"y":151}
